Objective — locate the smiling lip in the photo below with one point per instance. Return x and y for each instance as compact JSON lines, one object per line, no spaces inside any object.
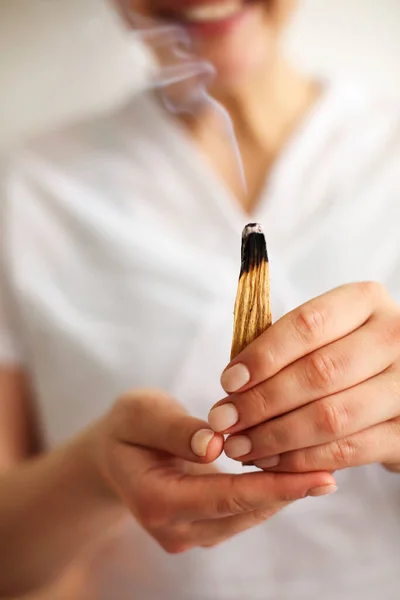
{"x":207,"y":18}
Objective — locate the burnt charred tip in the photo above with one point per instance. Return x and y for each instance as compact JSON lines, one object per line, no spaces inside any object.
{"x":251,"y":228}
{"x":254,"y":248}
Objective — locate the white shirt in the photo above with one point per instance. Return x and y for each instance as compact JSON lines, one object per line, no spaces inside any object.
{"x":120,"y":257}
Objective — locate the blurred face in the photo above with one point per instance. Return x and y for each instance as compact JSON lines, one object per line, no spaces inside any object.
{"x":239,"y":37}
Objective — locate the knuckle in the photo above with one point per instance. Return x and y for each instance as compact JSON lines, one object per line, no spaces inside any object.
{"x":269,"y":359}
{"x":394,"y":430}
{"x":287,"y":498}
{"x":392,"y":333}
{"x":298,"y":462}
{"x":264,"y":357}
{"x":126,"y":409}
{"x":393,"y":385}
{"x":343,"y":453}
{"x":231,"y":506}
{"x":309,"y":324}
{"x":274,"y":437}
{"x":270,"y":356}
{"x":233,"y":502}
{"x":257,"y":404}
{"x":322,"y":371}
{"x":395,"y":427}
{"x":133,"y":405}
{"x":282,"y":493}
{"x":279,"y":437}
{"x":372,"y":290}
{"x":367,"y":288}
{"x":332,"y":419}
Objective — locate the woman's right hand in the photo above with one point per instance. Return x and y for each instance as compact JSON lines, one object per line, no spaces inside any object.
{"x":157,"y":459}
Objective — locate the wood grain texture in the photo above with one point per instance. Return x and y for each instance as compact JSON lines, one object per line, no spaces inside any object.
{"x":252,"y":315}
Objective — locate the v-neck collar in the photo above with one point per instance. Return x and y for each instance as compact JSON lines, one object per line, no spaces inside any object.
{"x":272,"y":199}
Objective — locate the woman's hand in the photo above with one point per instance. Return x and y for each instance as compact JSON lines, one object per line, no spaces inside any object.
{"x":148,"y":455}
{"x":319,"y":390}
{"x":154,"y":456}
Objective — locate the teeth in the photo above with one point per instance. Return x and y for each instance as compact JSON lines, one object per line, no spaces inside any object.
{"x":212,"y":12}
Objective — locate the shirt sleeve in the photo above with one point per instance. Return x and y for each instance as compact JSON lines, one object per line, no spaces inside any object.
{"x":10,"y":343}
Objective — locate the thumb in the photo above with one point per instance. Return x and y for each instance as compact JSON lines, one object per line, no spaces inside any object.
{"x":155,"y":420}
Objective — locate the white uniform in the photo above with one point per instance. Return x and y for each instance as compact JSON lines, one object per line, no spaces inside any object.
{"x":120,"y":253}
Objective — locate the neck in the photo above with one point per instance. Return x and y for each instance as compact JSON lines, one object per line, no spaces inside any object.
{"x":264,"y":111}
{"x":266,"y":108}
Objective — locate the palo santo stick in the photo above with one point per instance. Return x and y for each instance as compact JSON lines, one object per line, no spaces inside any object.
{"x":253,"y":306}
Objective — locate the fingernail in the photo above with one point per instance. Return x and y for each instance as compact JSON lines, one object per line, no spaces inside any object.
{"x":238,"y":445}
{"x":200,"y":441}
{"x":223,"y":417}
{"x":268,"y":463}
{"x":235,"y":378}
{"x":322,"y":490}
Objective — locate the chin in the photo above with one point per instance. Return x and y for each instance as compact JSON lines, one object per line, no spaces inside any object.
{"x":234,"y":62}
{"x":235,"y":36}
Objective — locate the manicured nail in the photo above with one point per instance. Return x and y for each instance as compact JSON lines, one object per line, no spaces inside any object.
{"x":223,"y":417}
{"x":200,"y":441}
{"x":322,"y":490}
{"x":238,"y":445}
{"x":235,"y":378}
{"x":268,"y":463}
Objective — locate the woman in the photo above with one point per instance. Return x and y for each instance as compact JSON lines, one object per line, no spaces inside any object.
{"x":120,"y":260}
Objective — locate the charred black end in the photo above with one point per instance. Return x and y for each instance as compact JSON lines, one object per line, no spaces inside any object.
{"x":254,"y":252}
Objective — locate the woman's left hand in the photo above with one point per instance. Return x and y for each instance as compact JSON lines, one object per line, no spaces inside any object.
{"x":320,"y":389}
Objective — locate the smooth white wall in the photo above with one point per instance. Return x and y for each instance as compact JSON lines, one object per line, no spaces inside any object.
{"x":61,"y":58}
{"x":350,"y":38}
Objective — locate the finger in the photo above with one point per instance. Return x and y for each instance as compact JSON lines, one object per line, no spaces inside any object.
{"x":334,"y":417}
{"x":203,"y":497}
{"x":213,"y":532}
{"x":345,"y":363}
{"x":210,"y":532}
{"x":379,"y":444}
{"x":153,"y":419}
{"x":162,"y":496}
{"x":313,"y":325}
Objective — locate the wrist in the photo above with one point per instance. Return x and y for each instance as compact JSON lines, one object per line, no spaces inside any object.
{"x":90,"y":450}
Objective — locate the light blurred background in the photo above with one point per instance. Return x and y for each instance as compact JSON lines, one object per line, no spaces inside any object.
{"x":60,"y":59}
